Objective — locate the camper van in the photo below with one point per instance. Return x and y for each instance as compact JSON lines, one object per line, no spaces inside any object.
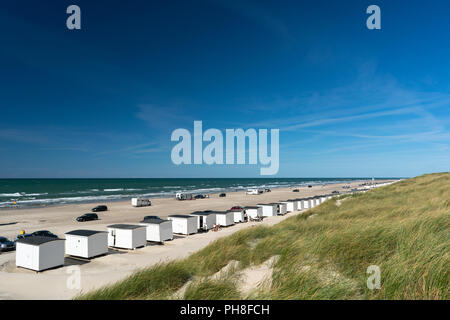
{"x":140,"y":202}
{"x":252,"y":191}
{"x":184,"y":196}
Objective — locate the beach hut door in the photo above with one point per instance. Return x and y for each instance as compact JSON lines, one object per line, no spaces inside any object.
{"x":202,"y":222}
{"x":113,"y":234}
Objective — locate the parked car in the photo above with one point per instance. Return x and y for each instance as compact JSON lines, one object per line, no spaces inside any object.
{"x":152,"y":217}
{"x":295,"y":190}
{"x":87,"y":217}
{"x":335,"y":192}
{"x":267,"y":190}
{"x":44,"y":233}
{"x":222,"y":195}
{"x":236,"y":208}
{"x":309,"y":186}
{"x":199,"y":196}
{"x":100,"y":208}
{"x":6,"y":245}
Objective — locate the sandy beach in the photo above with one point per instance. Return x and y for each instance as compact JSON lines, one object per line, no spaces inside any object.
{"x":17,"y":283}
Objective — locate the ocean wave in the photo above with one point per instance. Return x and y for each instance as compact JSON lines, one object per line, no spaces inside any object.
{"x":17,"y":194}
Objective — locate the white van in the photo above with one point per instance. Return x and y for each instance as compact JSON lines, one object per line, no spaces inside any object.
{"x":252,"y":191}
{"x":184,"y":196}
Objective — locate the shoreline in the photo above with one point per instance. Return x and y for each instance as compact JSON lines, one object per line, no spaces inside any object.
{"x":17,"y":283}
{"x":37,"y":203}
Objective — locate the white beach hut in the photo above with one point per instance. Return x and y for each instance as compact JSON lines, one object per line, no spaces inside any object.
{"x":317,"y":200}
{"x":306,"y":203}
{"x":126,"y":236}
{"x":140,"y":202}
{"x":323,"y":198}
{"x":312,"y":202}
{"x":291,"y":205}
{"x":238,"y":215}
{"x":253,"y":212}
{"x":157,"y":230}
{"x":39,"y":253}
{"x":268,"y":209}
{"x":281,"y":208}
{"x":205,"y":220}
{"x":86,"y":243}
{"x":224,"y":218}
{"x":298,"y":204}
{"x":184,"y":224}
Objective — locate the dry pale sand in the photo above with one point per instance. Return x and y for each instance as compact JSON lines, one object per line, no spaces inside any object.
{"x":18,"y":283}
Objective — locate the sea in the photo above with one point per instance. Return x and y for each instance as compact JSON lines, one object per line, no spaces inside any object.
{"x":28,"y":193}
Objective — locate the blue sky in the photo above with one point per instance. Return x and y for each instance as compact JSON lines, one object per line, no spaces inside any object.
{"x":103,"y":101}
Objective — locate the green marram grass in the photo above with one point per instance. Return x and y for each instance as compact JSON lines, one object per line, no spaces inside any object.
{"x":324,"y":253}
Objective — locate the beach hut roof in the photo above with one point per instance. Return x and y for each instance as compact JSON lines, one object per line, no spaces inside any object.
{"x":84,"y":233}
{"x":37,"y":240}
{"x":180,"y":216}
{"x":153,"y":221}
{"x":221,"y":212}
{"x":125,"y":226}
{"x":251,"y":207}
{"x":201,"y":213}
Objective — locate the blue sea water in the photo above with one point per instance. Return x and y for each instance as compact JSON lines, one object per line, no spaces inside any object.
{"x":45,"y":192}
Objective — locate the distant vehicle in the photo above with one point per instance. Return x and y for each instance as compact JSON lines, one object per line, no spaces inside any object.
{"x":222,"y":195}
{"x":295,"y":190}
{"x":335,"y":192}
{"x":100,"y":208}
{"x":309,"y":186}
{"x":87,"y":217}
{"x":184,"y":196}
{"x":199,"y":196}
{"x":236,"y":208}
{"x":152,"y":217}
{"x":44,"y":233}
{"x":252,"y":191}
{"x":267,"y":190}
{"x":6,"y":245}
{"x":140,"y":202}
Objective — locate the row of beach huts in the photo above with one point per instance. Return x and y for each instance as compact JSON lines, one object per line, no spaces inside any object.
{"x":41,"y":253}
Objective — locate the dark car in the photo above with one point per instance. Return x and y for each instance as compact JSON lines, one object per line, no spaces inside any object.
{"x":100,"y":208}
{"x":335,"y":192}
{"x":295,"y":190}
{"x":237,"y":208}
{"x":44,"y":233}
{"x":222,"y":195}
{"x":23,"y":236}
{"x":199,"y":196}
{"x":152,"y":217}
{"x":267,"y":190}
{"x":6,"y":245}
{"x":87,"y":217}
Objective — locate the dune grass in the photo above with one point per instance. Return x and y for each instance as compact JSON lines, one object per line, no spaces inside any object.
{"x":324,"y":253}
